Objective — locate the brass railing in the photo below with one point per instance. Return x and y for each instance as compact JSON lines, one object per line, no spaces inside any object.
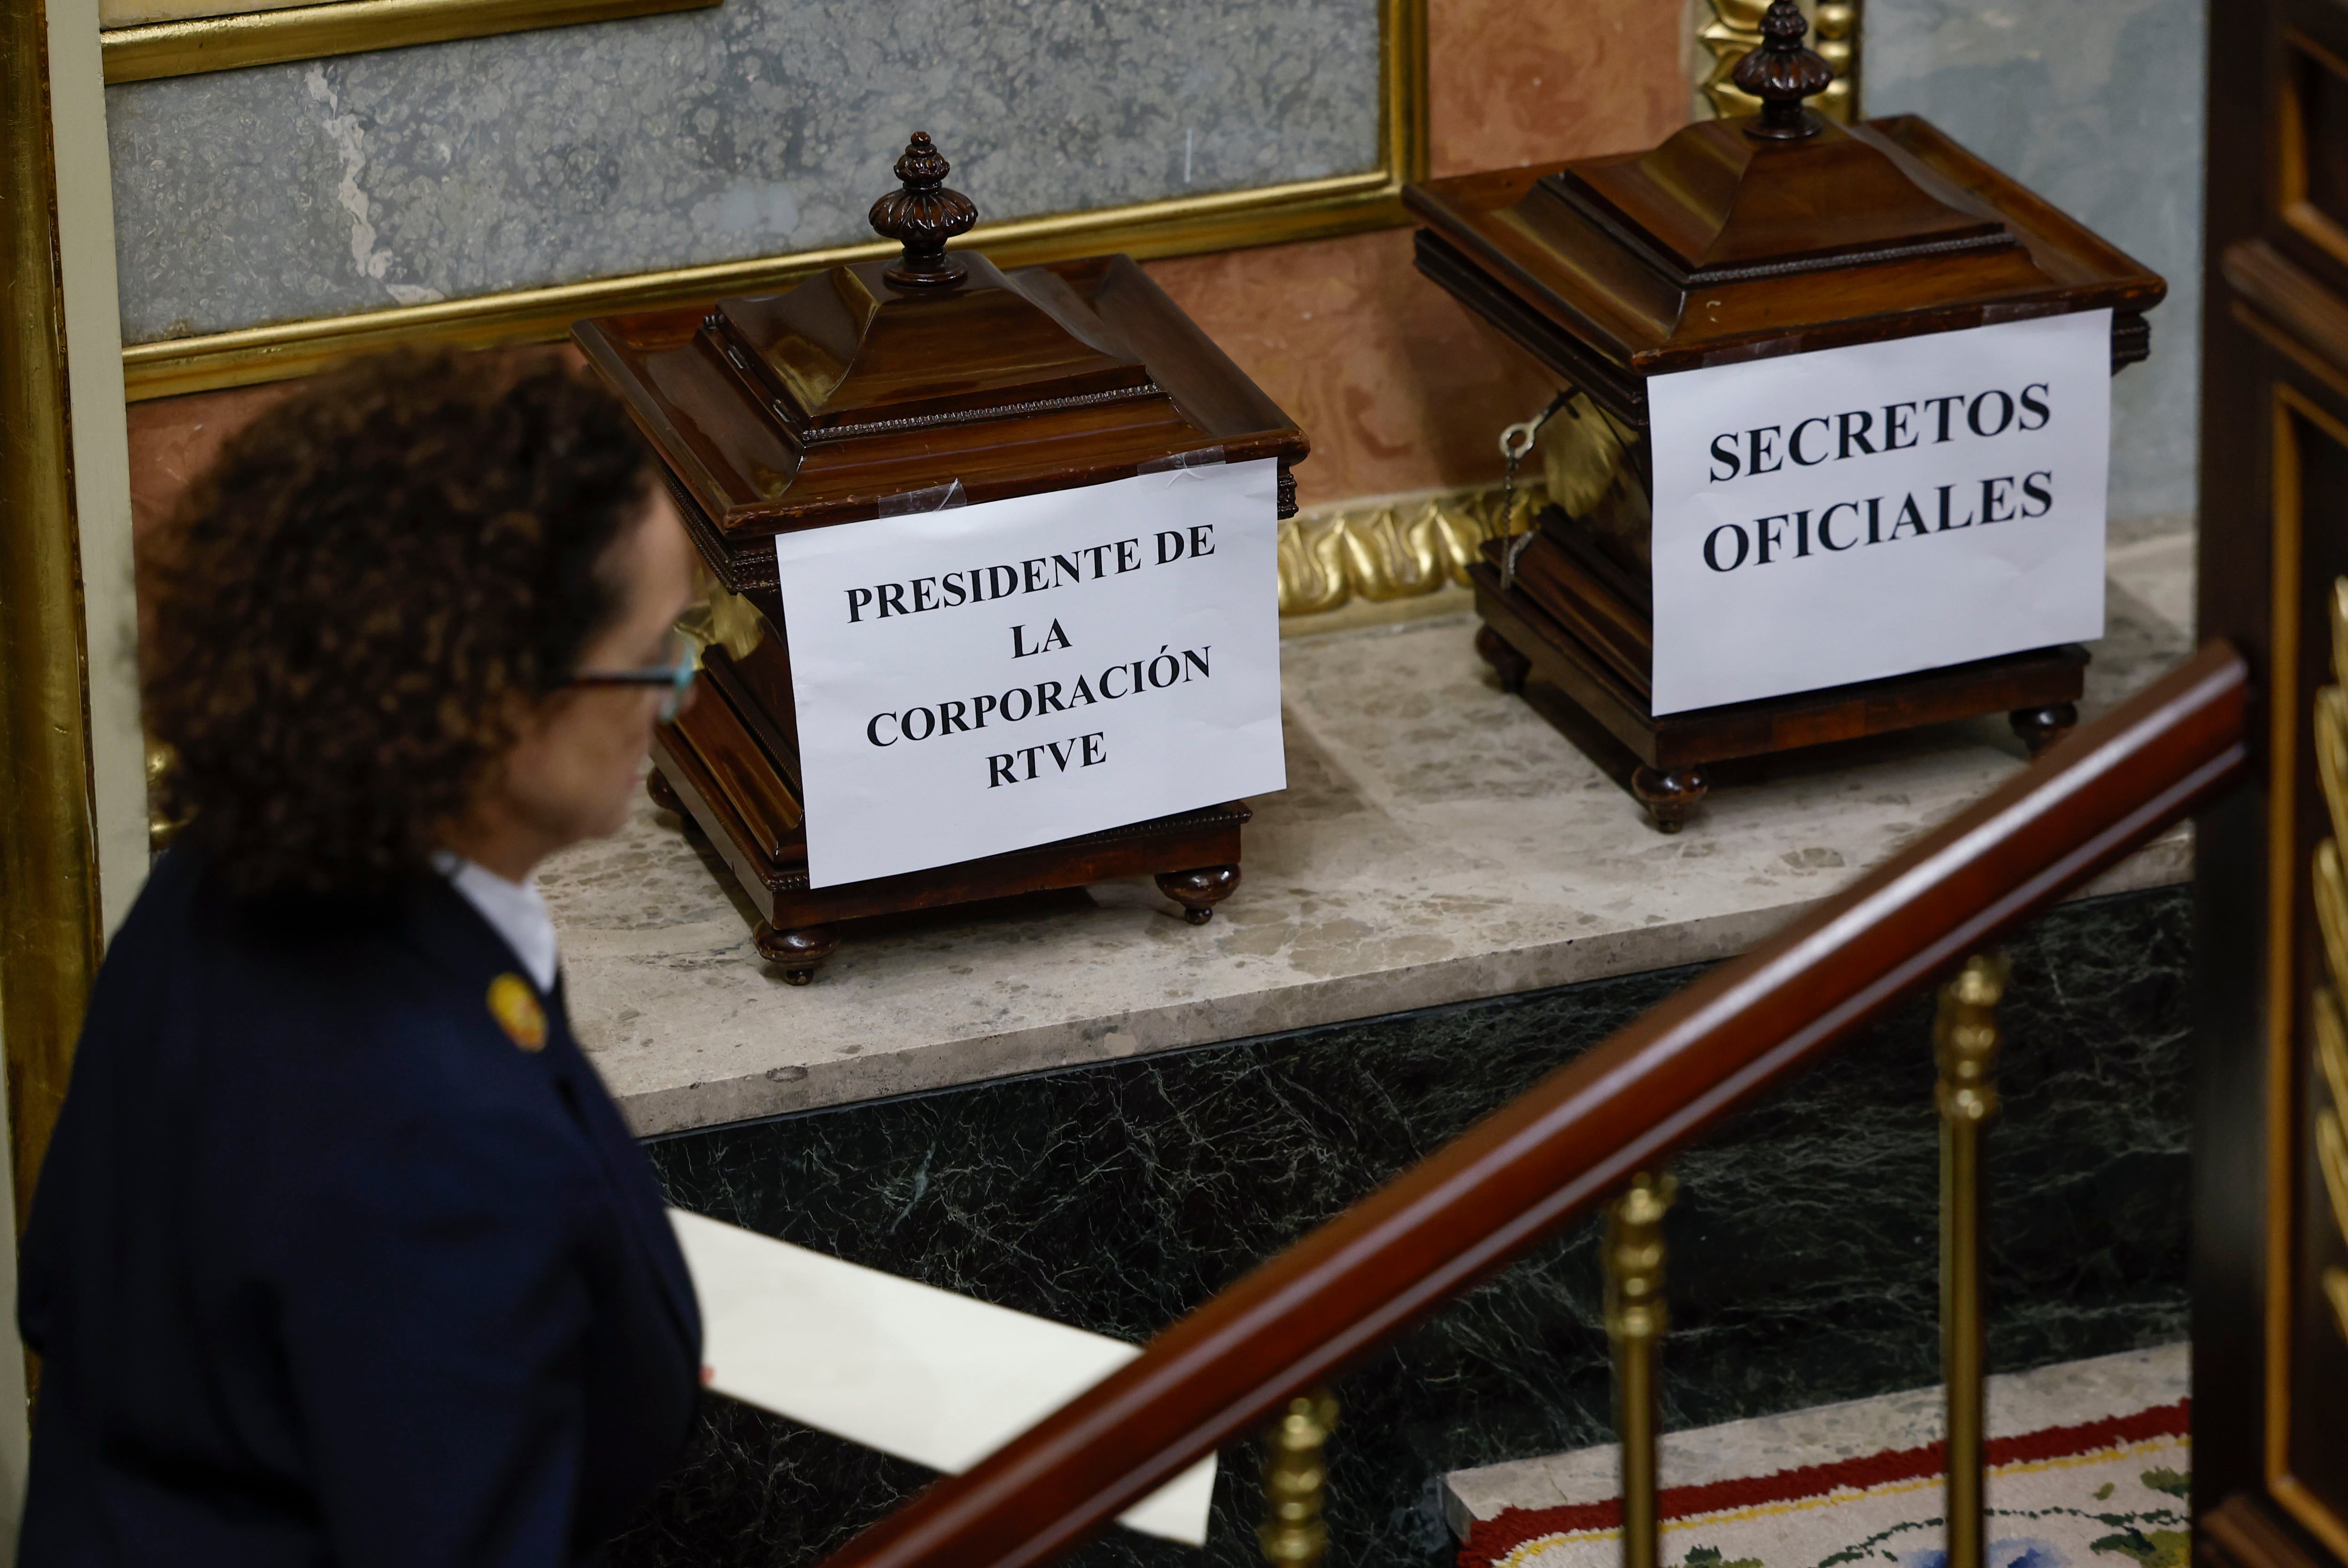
{"x":1596,"y":1135}
{"x":1965,"y":1043}
{"x":1635,"y":1321}
{"x":1295,"y":1477}
{"x":1965,"y":1040}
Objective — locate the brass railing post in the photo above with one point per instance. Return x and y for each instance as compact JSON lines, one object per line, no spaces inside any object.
{"x":1634,"y":1325}
{"x":1965,"y":1046}
{"x":1295,"y":1474}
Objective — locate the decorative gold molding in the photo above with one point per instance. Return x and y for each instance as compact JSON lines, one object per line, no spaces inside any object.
{"x":174,"y":365}
{"x":1397,"y":548}
{"x":1232,"y":220}
{"x":2331,"y":890}
{"x":1733,"y":30}
{"x":1410,"y":547}
{"x":49,"y":911}
{"x":142,"y":12}
{"x":2293,"y":199}
{"x":2296,"y":416}
{"x":199,"y":43}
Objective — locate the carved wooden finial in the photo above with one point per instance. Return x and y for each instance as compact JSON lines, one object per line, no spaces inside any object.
{"x":924,"y":216}
{"x":1781,"y":73}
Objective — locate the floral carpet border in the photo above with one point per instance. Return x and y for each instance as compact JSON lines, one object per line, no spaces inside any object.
{"x":1491,"y":1540}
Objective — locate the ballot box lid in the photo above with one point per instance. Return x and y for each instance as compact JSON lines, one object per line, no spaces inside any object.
{"x":874,"y":385}
{"x":1769,"y":233}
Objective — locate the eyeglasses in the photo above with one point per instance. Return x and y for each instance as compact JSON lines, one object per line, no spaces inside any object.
{"x":677,"y":677}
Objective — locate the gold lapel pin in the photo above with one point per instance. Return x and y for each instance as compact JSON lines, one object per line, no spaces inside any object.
{"x":514,"y":1005}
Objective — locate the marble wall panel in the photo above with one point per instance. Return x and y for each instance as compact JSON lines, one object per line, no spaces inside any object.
{"x":1509,"y":82}
{"x":1400,"y":388}
{"x":759,"y":127}
{"x":1803,"y":1264}
{"x":173,"y":442}
{"x":2097,"y":106}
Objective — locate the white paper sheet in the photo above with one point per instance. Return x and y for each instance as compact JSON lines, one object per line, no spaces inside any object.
{"x":911,"y":1371}
{"x":1851,"y":513}
{"x":996,"y":676}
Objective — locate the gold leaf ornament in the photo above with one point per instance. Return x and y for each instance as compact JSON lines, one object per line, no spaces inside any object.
{"x":2332,"y":1044}
{"x":1398,"y":549}
{"x":2332,"y":1155}
{"x":2332,"y":755}
{"x":2330,"y":889}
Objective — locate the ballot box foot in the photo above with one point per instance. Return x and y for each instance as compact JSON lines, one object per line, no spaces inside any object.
{"x":1670,"y":798}
{"x":663,"y":794}
{"x":799,"y":951}
{"x":1198,"y":891}
{"x":1510,"y":666}
{"x":1581,"y":657}
{"x":2041,"y":728}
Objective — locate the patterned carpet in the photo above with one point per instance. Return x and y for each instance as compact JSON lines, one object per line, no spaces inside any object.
{"x":2106,"y":1492}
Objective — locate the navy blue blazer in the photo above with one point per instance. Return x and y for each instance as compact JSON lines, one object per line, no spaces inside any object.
{"x":323,"y":1267}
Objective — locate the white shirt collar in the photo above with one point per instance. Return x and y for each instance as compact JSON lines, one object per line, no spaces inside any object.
{"x":515,"y":910}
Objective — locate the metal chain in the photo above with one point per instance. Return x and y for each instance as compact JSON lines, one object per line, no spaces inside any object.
{"x":1514,"y":442}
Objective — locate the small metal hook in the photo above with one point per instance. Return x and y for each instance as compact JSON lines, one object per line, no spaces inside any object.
{"x":1516,"y":441}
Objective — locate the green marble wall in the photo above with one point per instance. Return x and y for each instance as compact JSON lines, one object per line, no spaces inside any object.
{"x":1803,"y":1249}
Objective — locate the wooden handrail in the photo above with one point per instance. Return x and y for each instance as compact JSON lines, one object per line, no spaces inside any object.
{"x":1558,"y":1149}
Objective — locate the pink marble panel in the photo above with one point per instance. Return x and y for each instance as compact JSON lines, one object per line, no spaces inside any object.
{"x":1399,"y":387}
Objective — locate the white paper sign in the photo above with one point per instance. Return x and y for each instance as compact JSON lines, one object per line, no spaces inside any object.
{"x":896,"y":1365}
{"x":997,"y":677}
{"x":1852,"y":514}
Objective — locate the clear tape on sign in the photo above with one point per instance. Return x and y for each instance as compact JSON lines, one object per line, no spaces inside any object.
{"x":1180,"y":465}
{"x":937,"y":498}
{"x":1747,"y":353}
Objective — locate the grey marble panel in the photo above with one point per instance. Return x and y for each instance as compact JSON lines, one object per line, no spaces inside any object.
{"x":2097,"y":106}
{"x":758,"y":128}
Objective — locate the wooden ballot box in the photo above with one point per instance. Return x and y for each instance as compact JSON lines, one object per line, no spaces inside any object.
{"x":886,"y":387}
{"x":1749,"y":240}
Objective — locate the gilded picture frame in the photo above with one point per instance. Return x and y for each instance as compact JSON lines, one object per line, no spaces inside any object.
{"x":1229,"y":220}
{"x":190,"y":45}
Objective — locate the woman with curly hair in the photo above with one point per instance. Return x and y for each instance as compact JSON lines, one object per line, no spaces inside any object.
{"x":341,"y":1253}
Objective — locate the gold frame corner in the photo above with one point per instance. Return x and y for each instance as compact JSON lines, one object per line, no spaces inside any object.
{"x":193,"y":46}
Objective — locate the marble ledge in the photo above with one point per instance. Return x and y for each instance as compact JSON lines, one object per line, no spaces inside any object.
{"x":1438,"y":842}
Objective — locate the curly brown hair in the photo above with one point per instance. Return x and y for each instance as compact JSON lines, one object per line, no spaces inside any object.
{"x":356,"y":604}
